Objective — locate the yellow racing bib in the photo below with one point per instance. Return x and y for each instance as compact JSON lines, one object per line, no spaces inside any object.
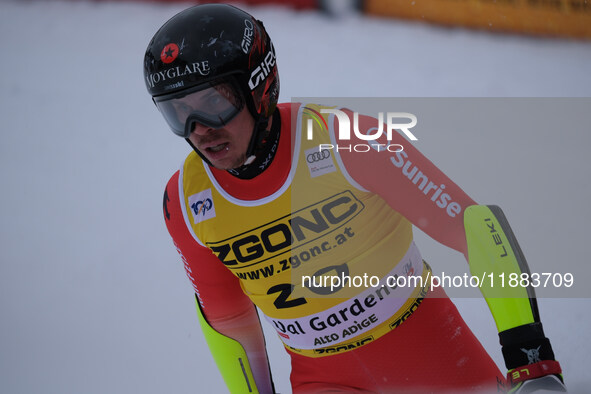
{"x":320,"y":256}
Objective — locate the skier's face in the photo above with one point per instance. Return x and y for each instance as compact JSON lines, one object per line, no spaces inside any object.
{"x":225,"y":147}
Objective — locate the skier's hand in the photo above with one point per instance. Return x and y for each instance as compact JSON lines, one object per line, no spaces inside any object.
{"x":536,"y":377}
{"x":530,"y":360}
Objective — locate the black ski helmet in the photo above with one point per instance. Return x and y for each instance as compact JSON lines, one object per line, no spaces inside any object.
{"x":215,"y":42}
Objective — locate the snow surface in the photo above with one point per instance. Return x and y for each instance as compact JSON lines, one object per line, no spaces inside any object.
{"x":93,"y":296}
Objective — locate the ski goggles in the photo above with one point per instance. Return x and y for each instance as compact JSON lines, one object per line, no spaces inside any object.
{"x":212,"y":105}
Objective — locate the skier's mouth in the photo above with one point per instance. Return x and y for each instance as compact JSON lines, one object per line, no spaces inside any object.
{"x":217,"y":148}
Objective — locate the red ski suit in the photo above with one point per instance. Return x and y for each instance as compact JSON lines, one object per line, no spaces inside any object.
{"x":431,"y":348}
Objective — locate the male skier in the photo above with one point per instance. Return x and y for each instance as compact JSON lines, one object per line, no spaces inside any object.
{"x":258,"y":206}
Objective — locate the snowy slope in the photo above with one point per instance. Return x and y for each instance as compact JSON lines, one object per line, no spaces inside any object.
{"x":93,"y":297}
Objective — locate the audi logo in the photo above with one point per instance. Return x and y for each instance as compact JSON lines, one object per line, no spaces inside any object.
{"x":318,"y":156}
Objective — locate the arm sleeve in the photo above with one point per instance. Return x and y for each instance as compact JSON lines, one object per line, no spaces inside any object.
{"x":225,"y":306}
{"x":410,"y":184}
{"x":416,"y":188}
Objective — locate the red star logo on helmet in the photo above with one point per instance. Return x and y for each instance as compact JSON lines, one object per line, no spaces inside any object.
{"x":169,"y":53}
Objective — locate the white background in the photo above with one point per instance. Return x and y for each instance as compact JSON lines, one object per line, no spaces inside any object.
{"x":93,"y":296}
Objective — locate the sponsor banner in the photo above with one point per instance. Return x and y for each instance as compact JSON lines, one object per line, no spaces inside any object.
{"x":570,"y":18}
{"x":288,"y":234}
{"x":404,"y":313}
{"x":298,"y":4}
{"x":357,"y":315}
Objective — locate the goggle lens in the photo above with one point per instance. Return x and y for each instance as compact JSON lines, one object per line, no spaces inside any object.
{"x":210,"y":105}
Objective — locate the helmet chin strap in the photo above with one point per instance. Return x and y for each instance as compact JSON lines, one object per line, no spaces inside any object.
{"x":258,"y":133}
{"x":198,"y":152}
